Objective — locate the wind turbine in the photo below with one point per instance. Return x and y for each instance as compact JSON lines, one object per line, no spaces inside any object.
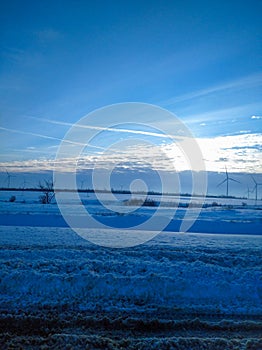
{"x":82,"y":184}
{"x":227,"y":179}
{"x":24,"y":183}
{"x":9,"y":178}
{"x":256,"y":186}
{"x":248,"y":192}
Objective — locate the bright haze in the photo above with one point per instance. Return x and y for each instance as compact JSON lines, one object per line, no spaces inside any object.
{"x":201,"y":60}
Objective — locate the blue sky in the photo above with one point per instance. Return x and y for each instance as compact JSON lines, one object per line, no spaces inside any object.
{"x":199,"y":59}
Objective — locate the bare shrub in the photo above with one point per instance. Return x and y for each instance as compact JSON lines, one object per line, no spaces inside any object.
{"x":47,"y":188}
{"x":12,"y":199}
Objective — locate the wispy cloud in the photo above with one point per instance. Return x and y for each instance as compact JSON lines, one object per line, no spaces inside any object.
{"x":241,"y":153}
{"x":221,"y":114}
{"x":244,"y":82}
{"x":88,"y":148}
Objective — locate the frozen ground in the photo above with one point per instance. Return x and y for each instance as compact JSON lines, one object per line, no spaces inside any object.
{"x":219,"y":215}
{"x":189,"y":291}
{"x":177,"y":291}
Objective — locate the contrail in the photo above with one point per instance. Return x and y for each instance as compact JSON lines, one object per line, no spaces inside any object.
{"x":49,"y":137}
{"x":61,"y":140}
{"x":99,"y":128}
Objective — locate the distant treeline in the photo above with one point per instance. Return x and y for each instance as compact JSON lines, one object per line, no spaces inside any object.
{"x":115,"y":191}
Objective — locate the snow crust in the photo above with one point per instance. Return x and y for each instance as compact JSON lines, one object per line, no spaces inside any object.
{"x":183,"y":273}
{"x":198,"y":290}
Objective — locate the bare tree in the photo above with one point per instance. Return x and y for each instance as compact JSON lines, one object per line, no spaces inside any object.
{"x":47,"y":188}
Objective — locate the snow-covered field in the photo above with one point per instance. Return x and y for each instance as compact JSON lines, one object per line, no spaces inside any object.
{"x":177,"y":291}
{"x":219,"y":215}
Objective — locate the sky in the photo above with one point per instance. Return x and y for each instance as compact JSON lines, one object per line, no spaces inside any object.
{"x":200,"y":60}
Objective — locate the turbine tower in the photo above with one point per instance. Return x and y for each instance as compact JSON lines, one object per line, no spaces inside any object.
{"x":24,"y":184}
{"x":248,"y":192}
{"x":8,"y":178}
{"x":256,"y":186}
{"x":227,"y":179}
{"x":82,"y":184}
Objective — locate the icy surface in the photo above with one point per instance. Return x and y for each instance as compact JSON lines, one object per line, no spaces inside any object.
{"x":213,"y":274}
{"x":229,"y":216}
{"x":177,"y":291}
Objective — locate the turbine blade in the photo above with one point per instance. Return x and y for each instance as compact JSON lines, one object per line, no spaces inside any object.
{"x":234,"y":180}
{"x":253,"y":179}
{"x":221,"y":183}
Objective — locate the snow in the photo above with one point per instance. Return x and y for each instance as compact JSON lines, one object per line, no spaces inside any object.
{"x":218,"y":274}
{"x":194,"y":290}
{"x":228,"y":216}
